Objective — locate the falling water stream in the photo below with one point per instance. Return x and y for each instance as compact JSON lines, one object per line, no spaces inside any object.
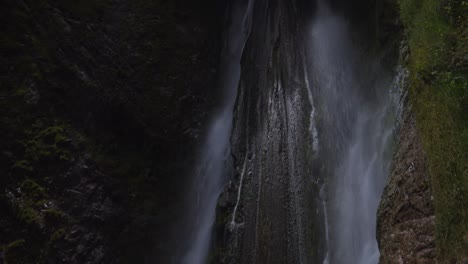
{"x":212,"y":166}
{"x":354,"y":98}
{"x":353,"y":116}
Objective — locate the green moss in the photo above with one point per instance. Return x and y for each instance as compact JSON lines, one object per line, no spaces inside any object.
{"x":14,"y":251}
{"x":28,"y":216}
{"x":24,"y":165}
{"x":25,"y":212}
{"x":20,"y":92}
{"x":40,"y":204}
{"x":438,"y":40}
{"x":32,"y":189}
{"x":57,"y":235}
{"x":51,"y":134}
{"x":49,"y":144}
{"x":15,"y":244}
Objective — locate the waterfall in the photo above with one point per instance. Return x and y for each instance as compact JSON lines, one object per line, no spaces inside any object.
{"x":327,"y":230}
{"x":212,"y":166}
{"x":354,"y":99}
{"x":350,"y":127}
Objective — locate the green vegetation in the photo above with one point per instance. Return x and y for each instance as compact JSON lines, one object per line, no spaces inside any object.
{"x":14,"y":251}
{"x":28,"y":216}
{"x":15,"y":244}
{"x":437,"y":34}
{"x":57,"y":235}
{"x":48,"y":144}
{"x":23,"y":165}
{"x":32,"y":190}
{"x":27,"y":208}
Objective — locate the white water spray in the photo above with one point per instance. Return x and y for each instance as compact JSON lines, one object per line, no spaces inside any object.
{"x":355,"y":104}
{"x":209,"y":177}
{"x":325,"y":218}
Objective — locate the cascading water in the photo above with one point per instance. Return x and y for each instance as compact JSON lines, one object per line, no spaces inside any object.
{"x":350,"y":129}
{"x":353,"y":97}
{"x":212,"y":166}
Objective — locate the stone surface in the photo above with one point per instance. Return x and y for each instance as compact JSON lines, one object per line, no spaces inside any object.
{"x":275,"y":221}
{"x":405,"y":221}
{"x":102,"y":104}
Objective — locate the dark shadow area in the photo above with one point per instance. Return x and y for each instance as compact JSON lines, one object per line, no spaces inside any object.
{"x":102,"y":104}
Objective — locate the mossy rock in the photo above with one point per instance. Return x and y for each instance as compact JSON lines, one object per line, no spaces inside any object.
{"x":28,"y":216}
{"x":58,"y":235}
{"x":15,"y":245}
{"x":49,"y":144}
{"x":52,"y":135}
{"x":23,"y":165}
{"x":33,"y":190}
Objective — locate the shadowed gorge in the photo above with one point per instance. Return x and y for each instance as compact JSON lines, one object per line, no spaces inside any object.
{"x":94,"y":99}
{"x":233,"y":131}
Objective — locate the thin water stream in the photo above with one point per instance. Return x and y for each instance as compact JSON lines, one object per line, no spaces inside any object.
{"x":213,"y":164}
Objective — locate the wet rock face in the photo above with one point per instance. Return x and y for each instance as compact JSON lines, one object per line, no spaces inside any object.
{"x":405,"y":221}
{"x":274,"y":222}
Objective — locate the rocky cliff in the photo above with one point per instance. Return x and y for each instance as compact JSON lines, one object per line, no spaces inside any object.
{"x":405,"y":227}
{"x":94,"y":97}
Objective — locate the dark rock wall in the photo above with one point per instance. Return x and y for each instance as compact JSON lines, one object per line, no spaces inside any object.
{"x":101,"y":105}
{"x":274,"y":221}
